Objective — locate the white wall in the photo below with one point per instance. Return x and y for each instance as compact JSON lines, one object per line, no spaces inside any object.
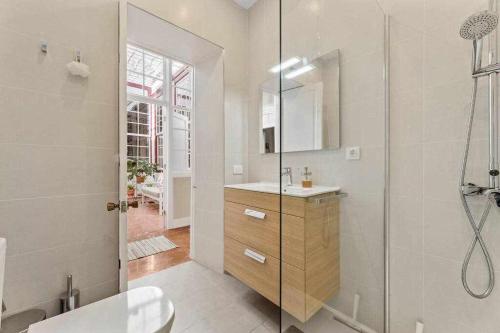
{"x":311,"y":28}
{"x":208,"y":177}
{"x":431,"y":86}
{"x":226,"y":24}
{"x":58,"y":140}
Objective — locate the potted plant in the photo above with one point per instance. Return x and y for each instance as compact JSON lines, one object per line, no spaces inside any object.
{"x":140,"y":169}
{"x":130,"y":190}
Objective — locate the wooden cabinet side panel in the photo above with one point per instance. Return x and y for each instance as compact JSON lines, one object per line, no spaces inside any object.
{"x":293,"y":291}
{"x":293,"y":241}
{"x":322,"y":254}
{"x":294,"y":206}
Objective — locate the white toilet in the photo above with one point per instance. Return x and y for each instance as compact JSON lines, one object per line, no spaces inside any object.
{"x":141,"y":310}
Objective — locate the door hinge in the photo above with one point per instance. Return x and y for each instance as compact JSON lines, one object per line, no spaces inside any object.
{"x":119,"y":264}
{"x":123,"y":206}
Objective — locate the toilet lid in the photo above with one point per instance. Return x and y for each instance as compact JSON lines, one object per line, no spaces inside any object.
{"x":145,"y":309}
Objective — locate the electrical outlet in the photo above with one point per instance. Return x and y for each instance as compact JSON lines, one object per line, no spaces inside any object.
{"x":237,"y":169}
{"x":352,"y":153}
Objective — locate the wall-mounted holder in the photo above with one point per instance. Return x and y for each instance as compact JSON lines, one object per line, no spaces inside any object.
{"x":77,"y":67}
{"x":487,"y":70}
{"x":44,"y":46}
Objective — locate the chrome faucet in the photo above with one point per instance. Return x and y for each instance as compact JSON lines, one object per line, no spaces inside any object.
{"x":287,"y":171}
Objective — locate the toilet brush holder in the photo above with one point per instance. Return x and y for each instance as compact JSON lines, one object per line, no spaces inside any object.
{"x":70,"y":300}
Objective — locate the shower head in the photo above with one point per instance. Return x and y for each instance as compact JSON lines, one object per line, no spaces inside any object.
{"x":479,"y":25}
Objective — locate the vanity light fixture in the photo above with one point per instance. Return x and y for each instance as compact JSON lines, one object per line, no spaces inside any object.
{"x":300,"y":71}
{"x":284,"y":65}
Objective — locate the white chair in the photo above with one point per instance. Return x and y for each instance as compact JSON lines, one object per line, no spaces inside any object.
{"x":154,"y":191}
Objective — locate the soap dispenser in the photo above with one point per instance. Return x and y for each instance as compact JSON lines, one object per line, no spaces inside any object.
{"x":307,"y":182}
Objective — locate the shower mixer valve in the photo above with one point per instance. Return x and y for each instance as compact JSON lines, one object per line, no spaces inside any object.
{"x":494,"y":196}
{"x":471,"y":189}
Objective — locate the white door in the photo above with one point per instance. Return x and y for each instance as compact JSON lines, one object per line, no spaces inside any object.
{"x":180,"y":141}
{"x":122,"y":118}
{"x":178,"y":149}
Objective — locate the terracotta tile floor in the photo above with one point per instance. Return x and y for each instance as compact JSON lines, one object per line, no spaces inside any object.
{"x":145,"y":222}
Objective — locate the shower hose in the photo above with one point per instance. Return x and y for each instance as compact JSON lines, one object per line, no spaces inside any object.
{"x":476,"y":227}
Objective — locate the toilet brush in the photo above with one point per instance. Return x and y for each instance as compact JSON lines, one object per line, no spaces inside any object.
{"x":70,"y":300}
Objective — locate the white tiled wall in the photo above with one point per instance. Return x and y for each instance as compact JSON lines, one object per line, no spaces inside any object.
{"x":58,"y":137}
{"x":208,"y":227}
{"x":312,"y":28}
{"x":430,"y":88}
{"x":57,"y":151}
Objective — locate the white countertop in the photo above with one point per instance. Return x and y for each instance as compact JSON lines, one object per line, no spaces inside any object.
{"x":293,"y":190}
{"x":145,"y":310}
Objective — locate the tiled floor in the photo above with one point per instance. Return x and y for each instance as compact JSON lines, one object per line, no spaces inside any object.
{"x":145,"y":222}
{"x":210,"y":302}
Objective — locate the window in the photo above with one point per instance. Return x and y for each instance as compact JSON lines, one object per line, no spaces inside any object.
{"x":182,"y":86}
{"x":148,"y":89}
{"x":159,"y":136}
{"x":145,"y":73}
{"x":138,"y":131}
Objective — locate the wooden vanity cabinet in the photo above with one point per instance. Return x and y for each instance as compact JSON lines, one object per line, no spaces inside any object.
{"x":310,"y":247}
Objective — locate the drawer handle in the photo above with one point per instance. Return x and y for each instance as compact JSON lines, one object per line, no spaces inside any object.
{"x":255,"y":256}
{"x":254,"y":213}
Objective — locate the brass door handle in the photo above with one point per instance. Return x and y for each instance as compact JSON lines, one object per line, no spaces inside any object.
{"x":112,"y":206}
{"x":123,"y":206}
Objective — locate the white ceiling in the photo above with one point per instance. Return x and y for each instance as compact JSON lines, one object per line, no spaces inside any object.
{"x":245,"y":3}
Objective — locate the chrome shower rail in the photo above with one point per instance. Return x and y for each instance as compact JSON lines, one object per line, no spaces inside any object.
{"x":475,"y":28}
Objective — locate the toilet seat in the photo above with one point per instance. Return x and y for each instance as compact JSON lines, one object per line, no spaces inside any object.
{"x":141,"y":310}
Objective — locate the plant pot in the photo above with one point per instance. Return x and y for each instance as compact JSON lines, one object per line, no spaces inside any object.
{"x":140,"y":179}
{"x":131,"y":192}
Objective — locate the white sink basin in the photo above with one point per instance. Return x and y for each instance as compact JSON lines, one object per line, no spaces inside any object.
{"x":293,"y":190}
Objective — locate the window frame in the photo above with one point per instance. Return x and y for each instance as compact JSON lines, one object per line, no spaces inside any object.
{"x":168,"y":103}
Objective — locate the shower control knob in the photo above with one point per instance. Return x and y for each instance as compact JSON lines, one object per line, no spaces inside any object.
{"x":496,"y":199}
{"x":494,"y":173}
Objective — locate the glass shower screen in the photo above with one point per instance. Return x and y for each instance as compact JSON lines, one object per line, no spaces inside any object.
{"x":331,"y":143}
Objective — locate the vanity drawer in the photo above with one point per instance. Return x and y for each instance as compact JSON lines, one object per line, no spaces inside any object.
{"x":262,"y":276}
{"x":261,"y":232}
{"x":255,"y":199}
{"x":290,"y":205}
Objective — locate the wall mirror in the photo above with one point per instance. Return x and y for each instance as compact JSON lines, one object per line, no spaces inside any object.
{"x":311,"y":105}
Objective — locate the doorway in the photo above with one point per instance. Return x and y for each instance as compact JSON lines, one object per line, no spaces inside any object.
{"x":180,"y":77}
{"x":158,"y":148}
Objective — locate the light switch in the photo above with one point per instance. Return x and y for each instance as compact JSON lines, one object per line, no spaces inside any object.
{"x":352,"y":153}
{"x":237,"y":169}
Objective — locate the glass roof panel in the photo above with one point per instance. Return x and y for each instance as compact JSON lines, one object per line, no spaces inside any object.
{"x":135,"y":59}
{"x":177,"y":67}
{"x":153,"y":65}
